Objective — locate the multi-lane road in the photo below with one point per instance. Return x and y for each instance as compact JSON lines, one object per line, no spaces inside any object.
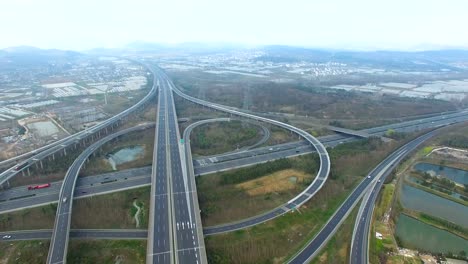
{"x":186,"y":236}
{"x":45,"y":151}
{"x":376,"y":175}
{"x":174,"y":229}
{"x":172,"y":234}
{"x":360,"y":238}
{"x":160,"y":247}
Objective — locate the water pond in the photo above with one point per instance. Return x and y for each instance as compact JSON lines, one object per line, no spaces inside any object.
{"x":421,"y":201}
{"x":415,"y":234}
{"x":456,"y":175}
{"x":125,"y":155}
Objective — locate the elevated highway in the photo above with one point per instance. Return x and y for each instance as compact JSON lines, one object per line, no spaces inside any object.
{"x":70,"y":141}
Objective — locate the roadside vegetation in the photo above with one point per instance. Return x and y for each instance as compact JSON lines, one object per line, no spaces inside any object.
{"x":107,"y":251}
{"x":98,"y":163}
{"x":352,"y":110}
{"x":338,"y":247}
{"x":276,"y":240}
{"x":54,"y":167}
{"x":220,"y":137}
{"x":280,"y":135}
{"x":186,"y":109}
{"x":241,"y":193}
{"x":31,"y":218}
{"x":389,"y":208}
{"x":112,"y":211}
{"x":108,"y":211}
{"x":79,"y":251}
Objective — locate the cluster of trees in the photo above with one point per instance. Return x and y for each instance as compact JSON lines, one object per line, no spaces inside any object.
{"x":359,"y":146}
{"x":444,"y":223}
{"x":441,"y":184}
{"x":394,"y":134}
{"x":259,"y":170}
{"x":457,"y":141}
{"x":230,"y":133}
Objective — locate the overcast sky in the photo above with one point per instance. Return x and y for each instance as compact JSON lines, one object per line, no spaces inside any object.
{"x":350,"y":24}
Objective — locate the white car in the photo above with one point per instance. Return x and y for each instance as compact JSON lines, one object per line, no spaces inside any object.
{"x":368,"y":177}
{"x":64,"y":200}
{"x":6,"y":236}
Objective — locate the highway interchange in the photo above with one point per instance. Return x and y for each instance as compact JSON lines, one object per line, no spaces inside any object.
{"x":174,"y":233}
{"x":59,"y":241}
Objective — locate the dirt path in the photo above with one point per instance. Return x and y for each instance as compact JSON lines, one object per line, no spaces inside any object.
{"x":137,"y":214}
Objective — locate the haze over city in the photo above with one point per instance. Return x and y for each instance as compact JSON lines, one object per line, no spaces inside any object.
{"x":333,"y":24}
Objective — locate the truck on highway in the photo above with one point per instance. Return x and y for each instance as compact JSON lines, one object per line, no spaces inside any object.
{"x":40,"y":186}
{"x":19,"y":167}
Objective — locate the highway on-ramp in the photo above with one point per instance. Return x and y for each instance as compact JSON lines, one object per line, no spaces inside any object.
{"x":297,"y":201}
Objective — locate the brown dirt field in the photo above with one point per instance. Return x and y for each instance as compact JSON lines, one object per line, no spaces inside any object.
{"x":276,"y":182}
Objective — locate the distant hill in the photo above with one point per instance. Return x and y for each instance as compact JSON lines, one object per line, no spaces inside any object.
{"x":32,"y":56}
{"x":420,"y":60}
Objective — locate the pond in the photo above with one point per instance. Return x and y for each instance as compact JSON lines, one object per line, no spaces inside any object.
{"x":415,"y":234}
{"x":43,"y":128}
{"x":456,"y":175}
{"x":420,"y":182}
{"x":125,"y":155}
{"x":421,"y":201}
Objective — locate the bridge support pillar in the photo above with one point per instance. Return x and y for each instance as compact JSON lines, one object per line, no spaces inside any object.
{"x":40,"y":162}
{"x":29,"y":173}
{"x":65,"y":151}
{"x":22,"y":173}
{"x":53,"y":156}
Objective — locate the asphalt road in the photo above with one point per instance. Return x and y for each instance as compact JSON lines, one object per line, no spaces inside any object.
{"x":172,"y":236}
{"x":160,"y":243}
{"x":20,"y":197}
{"x":333,"y":140}
{"x":314,"y":246}
{"x":359,"y":244}
{"x":45,"y":151}
{"x":60,"y":235}
{"x":46,"y":234}
{"x":294,"y":203}
{"x":187,"y":241}
{"x":383,"y":169}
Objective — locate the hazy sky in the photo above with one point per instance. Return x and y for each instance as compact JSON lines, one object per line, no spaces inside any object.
{"x":353,"y":24}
